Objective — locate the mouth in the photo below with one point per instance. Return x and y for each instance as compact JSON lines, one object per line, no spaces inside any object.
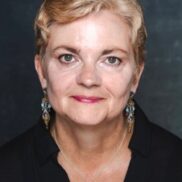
{"x":87,"y":99}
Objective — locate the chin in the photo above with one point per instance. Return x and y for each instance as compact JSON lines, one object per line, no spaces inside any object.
{"x":87,"y":119}
{"x":95,"y":120}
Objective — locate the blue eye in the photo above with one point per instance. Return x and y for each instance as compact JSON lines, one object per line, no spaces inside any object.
{"x":113,"y":60}
{"x":66,"y":58}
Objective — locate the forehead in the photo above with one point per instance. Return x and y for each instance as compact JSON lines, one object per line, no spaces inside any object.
{"x":97,"y":30}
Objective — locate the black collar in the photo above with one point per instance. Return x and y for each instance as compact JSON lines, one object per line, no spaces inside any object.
{"x":141,"y":139}
{"x":45,"y":145}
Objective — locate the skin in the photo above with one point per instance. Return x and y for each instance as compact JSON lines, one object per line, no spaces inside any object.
{"x":90,"y":57}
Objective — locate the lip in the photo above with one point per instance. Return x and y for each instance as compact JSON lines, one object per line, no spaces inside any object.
{"x":87,"y":99}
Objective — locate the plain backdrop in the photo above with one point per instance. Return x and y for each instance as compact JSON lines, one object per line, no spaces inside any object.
{"x":160,"y":90}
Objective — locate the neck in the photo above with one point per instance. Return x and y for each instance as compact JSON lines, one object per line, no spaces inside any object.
{"x":88,"y":151}
{"x":88,"y":139}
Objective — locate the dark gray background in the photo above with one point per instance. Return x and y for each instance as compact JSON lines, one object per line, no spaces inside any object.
{"x":160,"y":91}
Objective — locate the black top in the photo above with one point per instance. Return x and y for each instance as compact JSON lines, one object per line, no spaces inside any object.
{"x":31,"y":157}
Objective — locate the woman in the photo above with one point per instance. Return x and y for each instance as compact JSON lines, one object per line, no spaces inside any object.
{"x":89,"y":59}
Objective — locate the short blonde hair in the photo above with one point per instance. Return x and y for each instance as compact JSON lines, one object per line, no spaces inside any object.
{"x":66,"y":11}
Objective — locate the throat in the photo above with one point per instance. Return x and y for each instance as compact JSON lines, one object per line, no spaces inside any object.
{"x":88,"y":139}
{"x":98,"y":166}
{"x":89,"y":153}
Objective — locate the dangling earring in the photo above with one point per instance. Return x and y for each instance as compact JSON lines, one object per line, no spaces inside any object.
{"x":45,"y":105}
{"x":130,"y":109}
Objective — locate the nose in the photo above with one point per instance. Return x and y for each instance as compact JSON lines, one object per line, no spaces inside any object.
{"x":88,"y":76}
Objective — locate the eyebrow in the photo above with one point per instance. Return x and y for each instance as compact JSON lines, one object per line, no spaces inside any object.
{"x":108,"y":51}
{"x":70,"y":49}
{"x":77,"y":51}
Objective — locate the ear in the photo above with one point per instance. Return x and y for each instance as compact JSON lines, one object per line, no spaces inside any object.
{"x":137,"y":77}
{"x":39,"y":67}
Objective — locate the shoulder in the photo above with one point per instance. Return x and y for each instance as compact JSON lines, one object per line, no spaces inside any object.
{"x":19,"y":143}
{"x":159,"y":149}
{"x":163,"y":139}
{"x":13,"y":153}
{"x":156,"y":136}
{"x":165,"y":152}
{"x":159,"y":139}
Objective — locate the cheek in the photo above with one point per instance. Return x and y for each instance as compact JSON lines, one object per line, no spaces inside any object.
{"x":118,"y":88}
{"x":58,"y":84}
{"x":118,"y":85}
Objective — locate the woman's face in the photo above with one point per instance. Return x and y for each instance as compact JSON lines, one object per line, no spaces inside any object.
{"x":89,"y":69}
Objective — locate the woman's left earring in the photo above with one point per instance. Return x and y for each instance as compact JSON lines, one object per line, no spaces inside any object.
{"x":130,"y":112}
{"x":45,"y":105}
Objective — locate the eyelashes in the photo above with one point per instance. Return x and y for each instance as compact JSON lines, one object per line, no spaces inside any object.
{"x":114,"y":61}
{"x":69,"y":58}
{"x":66,"y":58}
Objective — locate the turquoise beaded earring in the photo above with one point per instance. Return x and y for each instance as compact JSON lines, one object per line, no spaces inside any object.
{"x":45,"y":105}
{"x":130,"y":111}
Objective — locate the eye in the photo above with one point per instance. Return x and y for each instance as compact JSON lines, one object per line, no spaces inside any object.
{"x":66,"y":58}
{"x":112,"y":60}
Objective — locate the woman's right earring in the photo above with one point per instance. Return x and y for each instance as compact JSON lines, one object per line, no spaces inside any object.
{"x":45,"y":105}
{"x":130,"y":109}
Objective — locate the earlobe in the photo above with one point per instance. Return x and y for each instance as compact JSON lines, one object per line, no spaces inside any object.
{"x":40,"y":71}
